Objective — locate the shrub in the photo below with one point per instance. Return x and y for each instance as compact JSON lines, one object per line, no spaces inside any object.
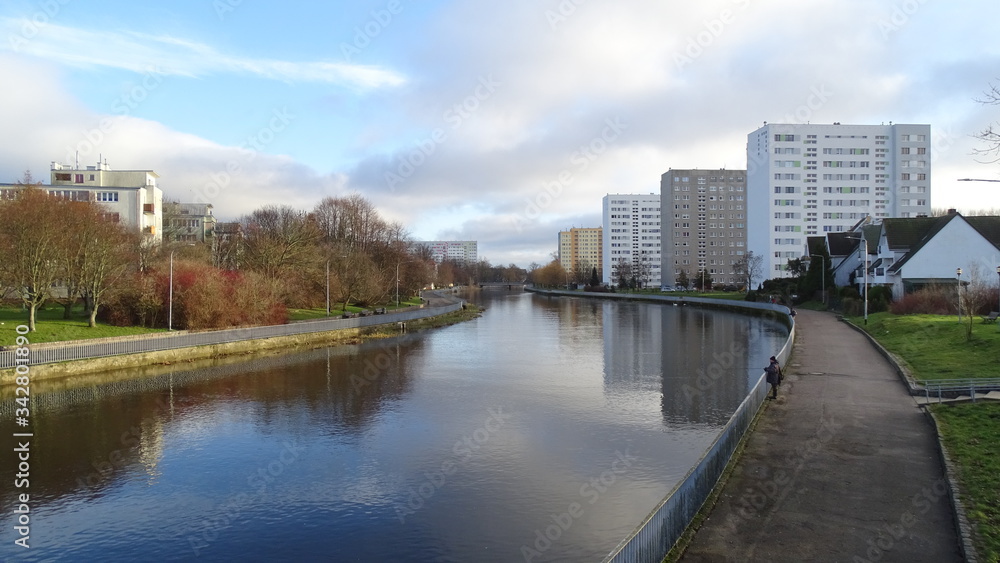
{"x":751,"y":296}
{"x":934,"y":300}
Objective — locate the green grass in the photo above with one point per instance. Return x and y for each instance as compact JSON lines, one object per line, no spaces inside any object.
{"x":971,"y":433}
{"x":935,"y":347}
{"x":51,"y":327}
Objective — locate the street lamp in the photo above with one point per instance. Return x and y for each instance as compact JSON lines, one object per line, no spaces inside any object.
{"x":170,"y":292}
{"x":864,"y":264}
{"x":998,"y":288}
{"x":397,"y":279}
{"x":823,"y":279}
{"x":958,"y":273}
{"x":170,"y":295}
{"x":328,"y":288}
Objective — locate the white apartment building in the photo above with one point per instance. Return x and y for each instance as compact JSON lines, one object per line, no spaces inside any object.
{"x":811,"y":180}
{"x":461,"y":250}
{"x":704,"y":223}
{"x":131,"y":197}
{"x":632,"y":236}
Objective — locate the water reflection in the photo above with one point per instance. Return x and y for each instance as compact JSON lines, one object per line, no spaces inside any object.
{"x":457,"y":444}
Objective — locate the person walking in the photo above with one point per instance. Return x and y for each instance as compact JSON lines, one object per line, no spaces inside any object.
{"x":773,"y":376}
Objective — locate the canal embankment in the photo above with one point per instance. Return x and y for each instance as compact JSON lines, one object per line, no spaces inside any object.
{"x":58,"y":360}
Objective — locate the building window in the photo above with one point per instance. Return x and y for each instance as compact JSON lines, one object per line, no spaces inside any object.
{"x":79,"y":178}
{"x":107,"y":196}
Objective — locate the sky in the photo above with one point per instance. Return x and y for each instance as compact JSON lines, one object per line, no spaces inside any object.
{"x":500,"y":122}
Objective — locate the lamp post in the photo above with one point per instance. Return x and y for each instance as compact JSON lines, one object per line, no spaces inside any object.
{"x":998,"y":292}
{"x":958,"y":274}
{"x":170,"y":295}
{"x":328,"y":288}
{"x":823,"y":279}
{"x":864,"y":264}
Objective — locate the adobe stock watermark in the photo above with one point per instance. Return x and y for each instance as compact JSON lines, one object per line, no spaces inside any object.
{"x":123,"y":106}
{"x":255,"y":143}
{"x":207,"y":530}
{"x":365,"y":34}
{"x":696,"y":45}
{"x":224,"y":7}
{"x":759,"y":497}
{"x":899,"y":16}
{"x":889,"y":535}
{"x":47,"y":11}
{"x":563,"y":11}
{"x":581,"y":159}
{"x":591,"y":491}
{"x":815,"y":100}
{"x":454,"y":117}
{"x":708,"y":377}
{"x":462,"y":451}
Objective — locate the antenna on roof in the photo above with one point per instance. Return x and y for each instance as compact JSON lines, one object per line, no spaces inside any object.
{"x":76,"y":166}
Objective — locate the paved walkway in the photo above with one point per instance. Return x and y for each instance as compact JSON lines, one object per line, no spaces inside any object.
{"x":842,"y":467}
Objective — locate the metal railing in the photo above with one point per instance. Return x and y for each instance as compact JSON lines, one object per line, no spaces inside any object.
{"x":658,"y":533}
{"x":117,"y":346}
{"x":954,"y":387}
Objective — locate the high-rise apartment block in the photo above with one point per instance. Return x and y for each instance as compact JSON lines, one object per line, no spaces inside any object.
{"x":704,"y":224}
{"x":632,"y":237}
{"x":809,"y":180}
{"x":581,"y":250}
{"x":460,"y":250}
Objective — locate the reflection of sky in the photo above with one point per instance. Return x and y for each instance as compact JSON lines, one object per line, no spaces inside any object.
{"x":349,"y":486}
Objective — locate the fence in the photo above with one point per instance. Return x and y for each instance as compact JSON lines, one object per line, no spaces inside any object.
{"x":651,"y":541}
{"x":104,"y":347}
{"x":953,"y":387}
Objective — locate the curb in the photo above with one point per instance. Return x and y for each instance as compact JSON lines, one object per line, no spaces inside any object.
{"x":962,"y":525}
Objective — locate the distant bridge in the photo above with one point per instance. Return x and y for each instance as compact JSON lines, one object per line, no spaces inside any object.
{"x":503,"y":285}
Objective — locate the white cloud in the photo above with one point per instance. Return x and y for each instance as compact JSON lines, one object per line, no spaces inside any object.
{"x":140,"y":52}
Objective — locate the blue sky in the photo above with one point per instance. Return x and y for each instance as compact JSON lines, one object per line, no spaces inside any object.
{"x":497,"y":122}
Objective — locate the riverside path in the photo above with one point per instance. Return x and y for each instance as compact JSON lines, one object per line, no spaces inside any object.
{"x":844,"y":466}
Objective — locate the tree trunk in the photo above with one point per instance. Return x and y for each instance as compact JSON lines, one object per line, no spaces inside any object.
{"x":68,"y":310}
{"x":31,"y":317}
{"x":93,"y":317}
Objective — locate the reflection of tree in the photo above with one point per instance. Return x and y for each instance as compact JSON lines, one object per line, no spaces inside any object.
{"x":94,"y":436}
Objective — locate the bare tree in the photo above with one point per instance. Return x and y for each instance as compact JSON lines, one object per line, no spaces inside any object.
{"x":277,"y":239}
{"x":31,"y":236}
{"x":990,"y":135}
{"x":749,"y":267}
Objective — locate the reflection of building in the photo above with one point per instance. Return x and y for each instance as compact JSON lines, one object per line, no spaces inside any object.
{"x":703,"y":361}
{"x":704,"y":223}
{"x":130,"y":196}
{"x":458,"y":250}
{"x":580,"y":250}
{"x":188,"y":222}
{"x":632,"y":237}
{"x":806,"y":180}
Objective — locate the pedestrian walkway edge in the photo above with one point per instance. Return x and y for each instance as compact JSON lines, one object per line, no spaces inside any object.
{"x":962,"y":525}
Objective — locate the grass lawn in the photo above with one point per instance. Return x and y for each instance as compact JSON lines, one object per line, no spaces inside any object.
{"x":972,"y":432}
{"x":934,"y":346}
{"x":51,"y":327}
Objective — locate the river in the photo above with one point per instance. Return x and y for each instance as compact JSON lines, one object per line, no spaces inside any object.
{"x":545,"y":430}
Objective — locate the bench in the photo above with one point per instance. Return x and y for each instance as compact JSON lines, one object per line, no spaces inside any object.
{"x":991,"y":318}
{"x":380,"y":311}
{"x":350,"y":315}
